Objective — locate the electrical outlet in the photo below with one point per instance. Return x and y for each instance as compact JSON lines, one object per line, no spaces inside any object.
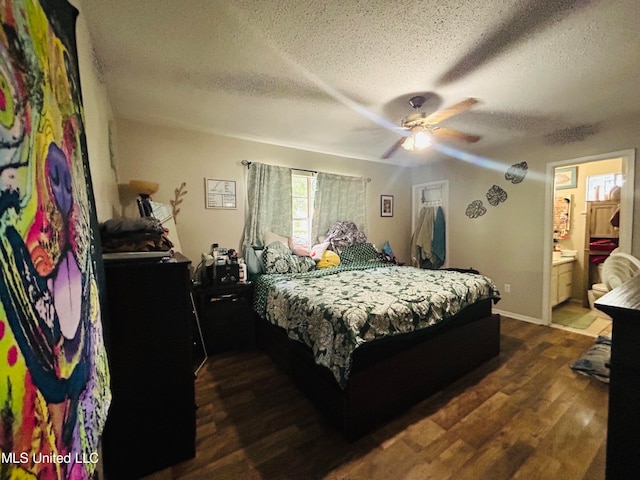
{"x":507,"y":288}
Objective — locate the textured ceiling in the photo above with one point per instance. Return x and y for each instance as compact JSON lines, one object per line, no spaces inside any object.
{"x":336,"y":76}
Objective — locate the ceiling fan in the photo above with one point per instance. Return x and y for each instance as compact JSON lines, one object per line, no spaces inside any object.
{"x":421,"y":126}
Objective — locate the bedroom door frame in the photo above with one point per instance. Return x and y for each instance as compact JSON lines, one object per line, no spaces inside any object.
{"x":439,"y":190}
{"x":626,"y":214}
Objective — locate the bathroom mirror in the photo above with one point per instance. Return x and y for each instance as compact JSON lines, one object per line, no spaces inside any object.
{"x":561,"y":216}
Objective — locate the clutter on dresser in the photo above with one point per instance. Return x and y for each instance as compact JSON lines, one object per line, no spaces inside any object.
{"x":221,"y":266}
{"x":144,"y":234}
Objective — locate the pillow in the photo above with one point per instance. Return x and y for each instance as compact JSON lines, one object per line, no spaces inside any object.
{"x":305,"y":264}
{"x":271,"y":237}
{"x":358,"y":253}
{"x":595,"y":361}
{"x":299,"y":246}
{"x":318,"y":250}
{"x":253,"y":259}
{"x":329,"y":259}
{"x":277,"y":258}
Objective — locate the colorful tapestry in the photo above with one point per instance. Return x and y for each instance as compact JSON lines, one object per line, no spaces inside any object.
{"x":54,"y":383}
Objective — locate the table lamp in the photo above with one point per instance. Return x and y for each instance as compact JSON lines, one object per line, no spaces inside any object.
{"x":144,"y":189}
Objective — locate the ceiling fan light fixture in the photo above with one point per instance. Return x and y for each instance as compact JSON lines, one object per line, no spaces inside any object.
{"x":417,"y":140}
{"x":421,"y":140}
{"x":408,"y":143}
{"x":419,"y":127}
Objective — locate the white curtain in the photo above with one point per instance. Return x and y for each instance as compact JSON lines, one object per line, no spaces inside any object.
{"x":269,"y":202}
{"x":338,"y":198}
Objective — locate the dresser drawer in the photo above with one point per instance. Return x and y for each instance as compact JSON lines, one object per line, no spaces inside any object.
{"x":226,"y":318}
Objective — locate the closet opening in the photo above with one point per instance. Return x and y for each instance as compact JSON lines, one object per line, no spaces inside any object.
{"x":432,"y":195}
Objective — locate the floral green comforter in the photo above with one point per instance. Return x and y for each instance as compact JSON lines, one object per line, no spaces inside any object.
{"x":335,"y":310}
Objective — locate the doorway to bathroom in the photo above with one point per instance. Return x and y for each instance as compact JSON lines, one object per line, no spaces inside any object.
{"x":584,"y":193}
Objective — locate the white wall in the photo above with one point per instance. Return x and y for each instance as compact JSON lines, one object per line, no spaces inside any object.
{"x":171,"y":156}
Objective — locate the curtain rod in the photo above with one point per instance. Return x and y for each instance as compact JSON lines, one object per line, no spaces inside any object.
{"x":247,"y":163}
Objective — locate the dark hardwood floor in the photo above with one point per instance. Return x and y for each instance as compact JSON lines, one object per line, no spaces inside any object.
{"x":524,"y":415}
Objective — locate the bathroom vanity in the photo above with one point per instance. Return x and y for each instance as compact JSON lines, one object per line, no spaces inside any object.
{"x":561,"y":279}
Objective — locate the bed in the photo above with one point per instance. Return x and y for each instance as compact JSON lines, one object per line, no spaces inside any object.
{"x":367,"y":339}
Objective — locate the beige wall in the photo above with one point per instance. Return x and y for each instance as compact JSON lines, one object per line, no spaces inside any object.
{"x":171,"y":156}
{"x":496,"y":243}
{"x":97,"y":112}
{"x":507,"y":242}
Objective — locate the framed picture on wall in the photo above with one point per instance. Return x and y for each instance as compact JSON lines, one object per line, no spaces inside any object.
{"x":566,"y":178}
{"x":219,"y":193}
{"x":386,"y":205}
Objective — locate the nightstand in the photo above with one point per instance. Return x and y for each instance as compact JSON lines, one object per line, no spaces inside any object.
{"x":226,"y":316}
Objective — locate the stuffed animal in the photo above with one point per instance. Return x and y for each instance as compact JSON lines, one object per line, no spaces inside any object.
{"x":329,"y":259}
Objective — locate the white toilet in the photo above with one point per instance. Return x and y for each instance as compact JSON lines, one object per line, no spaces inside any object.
{"x":597,"y":291}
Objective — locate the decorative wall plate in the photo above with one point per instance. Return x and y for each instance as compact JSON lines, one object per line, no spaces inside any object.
{"x":496,"y":195}
{"x":475,"y":209}
{"x":517,"y":172}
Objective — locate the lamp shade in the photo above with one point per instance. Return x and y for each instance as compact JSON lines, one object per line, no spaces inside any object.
{"x":144,"y":187}
{"x":417,"y":140}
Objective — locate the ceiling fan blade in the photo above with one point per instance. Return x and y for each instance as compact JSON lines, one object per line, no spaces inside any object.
{"x":393,"y":148}
{"x":441,"y":115}
{"x":455,"y":134}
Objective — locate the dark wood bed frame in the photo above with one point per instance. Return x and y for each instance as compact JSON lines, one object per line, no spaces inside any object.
{"x":392,"y":374}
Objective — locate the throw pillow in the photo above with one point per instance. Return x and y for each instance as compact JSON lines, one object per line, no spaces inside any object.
{"x":253,"y":259}
{"x":358,"y":253}
{"x":271,"y":237}
{"x":277,"y":258}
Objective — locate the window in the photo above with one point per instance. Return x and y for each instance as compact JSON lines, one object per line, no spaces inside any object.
{"x":599,"y":186}
{"x":303,"y":188}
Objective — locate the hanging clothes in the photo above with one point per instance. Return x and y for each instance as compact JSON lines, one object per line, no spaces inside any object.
{"x":439,"y":242}
{"x":422,"y":238}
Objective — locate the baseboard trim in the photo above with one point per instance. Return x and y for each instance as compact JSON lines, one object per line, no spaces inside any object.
{"x":517,"y":316}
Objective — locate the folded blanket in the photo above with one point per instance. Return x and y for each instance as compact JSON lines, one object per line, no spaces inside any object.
{"x":126,"y":226}
{"x":595,"y":361}
{"x":144,"y":234}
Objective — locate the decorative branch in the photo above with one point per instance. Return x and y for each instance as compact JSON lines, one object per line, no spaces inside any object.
{"x":180,"y":192}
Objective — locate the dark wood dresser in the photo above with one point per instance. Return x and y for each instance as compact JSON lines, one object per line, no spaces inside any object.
{"x":623,"y":429}
{"x":148,"y":318}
